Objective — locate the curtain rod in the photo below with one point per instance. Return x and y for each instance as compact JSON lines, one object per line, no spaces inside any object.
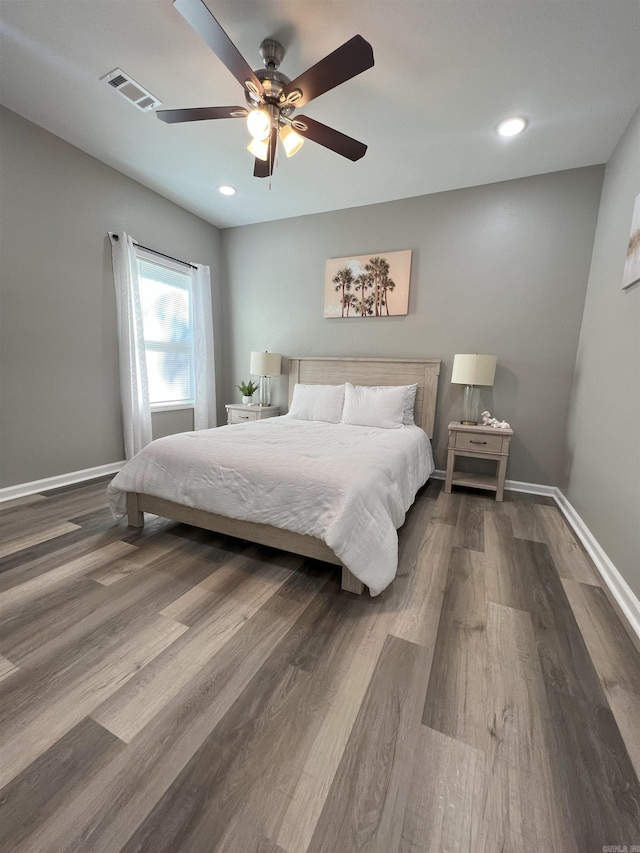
{"x":162,"y":254}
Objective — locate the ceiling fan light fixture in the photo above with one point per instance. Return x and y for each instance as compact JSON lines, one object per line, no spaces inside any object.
{"x":259,"y":124}
{"x":271,"y":97}
{"x":291,"y":140}
{"x":259,"y":148}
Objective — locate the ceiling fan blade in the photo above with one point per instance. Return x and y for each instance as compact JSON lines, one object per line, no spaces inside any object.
{"x":354,"y":57}
{"x":329,"y":138}
{"x":200,"y":114}
{"x":264,"y":168}
{"x":197,"y":14}
{"x":260,"y":168}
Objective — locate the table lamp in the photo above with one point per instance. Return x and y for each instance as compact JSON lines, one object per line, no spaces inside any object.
{"x":265,"y":365}
{"x":472,"y":371}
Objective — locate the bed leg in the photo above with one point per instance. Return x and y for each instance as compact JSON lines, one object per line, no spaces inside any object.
{"x":350,"y":583}
{"x":135,"y":517}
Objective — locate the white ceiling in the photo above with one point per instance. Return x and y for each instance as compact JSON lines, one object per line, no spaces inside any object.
{"x":445,"y":74}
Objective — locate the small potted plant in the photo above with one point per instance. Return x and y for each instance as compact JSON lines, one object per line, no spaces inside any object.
{"x":247,"y":389}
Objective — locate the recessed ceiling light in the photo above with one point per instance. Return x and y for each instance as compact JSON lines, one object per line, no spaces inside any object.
{"x":511,"y":126}
{"x":226,"y":190}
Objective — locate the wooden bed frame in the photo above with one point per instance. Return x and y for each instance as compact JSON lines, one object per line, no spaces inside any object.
{"x":328,"y":371}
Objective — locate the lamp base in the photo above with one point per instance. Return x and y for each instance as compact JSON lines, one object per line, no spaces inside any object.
{"x":264,"y":394}
{"x":470,"y":405}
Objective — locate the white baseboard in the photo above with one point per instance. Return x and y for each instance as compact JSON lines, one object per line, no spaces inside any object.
{"x":513,"y":485}
{"x":10,"y":493}
{"x":620,"y":589}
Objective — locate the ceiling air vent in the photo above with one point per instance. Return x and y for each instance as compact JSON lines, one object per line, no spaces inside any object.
{"x":131,"y":90}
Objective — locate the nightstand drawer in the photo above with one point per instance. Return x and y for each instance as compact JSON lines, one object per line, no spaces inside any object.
{"x":237,"y":414}
{"x":479,"y":442}
{"x":239,"y":417}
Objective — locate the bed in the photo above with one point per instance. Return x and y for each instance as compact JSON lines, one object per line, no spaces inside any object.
{"x":188,"y":492}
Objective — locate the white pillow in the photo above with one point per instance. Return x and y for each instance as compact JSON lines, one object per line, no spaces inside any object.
{"x":317,"y":403}
{"x":409,"y":401}
{"x":409,"y":404}
{"x":376,"y":406}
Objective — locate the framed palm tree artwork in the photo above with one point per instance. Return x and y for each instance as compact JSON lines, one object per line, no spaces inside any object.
{"x":375,"y":285}
{"x":631,"y":274}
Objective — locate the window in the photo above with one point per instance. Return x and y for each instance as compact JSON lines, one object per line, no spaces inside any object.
{"x":167,"y":318}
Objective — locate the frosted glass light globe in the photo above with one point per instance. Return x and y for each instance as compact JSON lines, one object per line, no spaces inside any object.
{"x":259,"y":124}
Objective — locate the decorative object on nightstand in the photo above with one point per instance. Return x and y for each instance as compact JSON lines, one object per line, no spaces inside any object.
{"x":487,"y":420}
{"x":472,"y":371}
{"x":265,"y":365}
{"x":478,"y":442}
{"x":240,"y":413}
{"x":247,"y":389}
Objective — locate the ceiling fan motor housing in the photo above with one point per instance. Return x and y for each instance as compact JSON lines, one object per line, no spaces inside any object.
{"x":273,"y":81}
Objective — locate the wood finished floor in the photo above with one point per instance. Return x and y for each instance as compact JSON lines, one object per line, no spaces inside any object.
{"x":175,"y":690}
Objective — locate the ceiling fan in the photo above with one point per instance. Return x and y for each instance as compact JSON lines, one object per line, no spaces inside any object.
{"x":271,"y":97}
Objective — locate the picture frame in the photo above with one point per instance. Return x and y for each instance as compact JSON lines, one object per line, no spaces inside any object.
{"x":631,"y":273}
{"x":368,"y":286}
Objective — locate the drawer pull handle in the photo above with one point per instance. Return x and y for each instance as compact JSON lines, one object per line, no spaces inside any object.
{"x":246,"y":418}
{"x":471,"y":441}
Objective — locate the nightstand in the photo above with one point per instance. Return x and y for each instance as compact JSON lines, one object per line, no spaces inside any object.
{"x":238,"y":413}
{"x":478,"y":442}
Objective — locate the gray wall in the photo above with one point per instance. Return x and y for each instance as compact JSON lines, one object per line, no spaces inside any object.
{"x":604,"y":421}
{"x":59,"y":395}
{"x":498,"y":269}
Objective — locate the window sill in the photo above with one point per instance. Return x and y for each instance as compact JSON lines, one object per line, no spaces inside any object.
{"x":170,"y":407}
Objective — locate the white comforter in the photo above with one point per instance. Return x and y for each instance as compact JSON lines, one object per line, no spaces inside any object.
{"x":349,"y":486}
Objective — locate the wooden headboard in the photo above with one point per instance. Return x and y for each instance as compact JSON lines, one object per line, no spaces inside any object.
{"x":375,"y":371}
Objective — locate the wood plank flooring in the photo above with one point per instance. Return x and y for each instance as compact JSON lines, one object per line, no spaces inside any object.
{"x":176,"y":690}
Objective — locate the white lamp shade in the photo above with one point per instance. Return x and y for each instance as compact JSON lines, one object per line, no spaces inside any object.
{"x":265,"y":364}
{"x":259,"y":148}
{"x":291,"y":140}
{"x":473,"y":369}
{"x":259,"y":124}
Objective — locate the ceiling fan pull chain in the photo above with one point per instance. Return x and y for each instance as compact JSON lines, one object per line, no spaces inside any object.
{"x":276,"y":159}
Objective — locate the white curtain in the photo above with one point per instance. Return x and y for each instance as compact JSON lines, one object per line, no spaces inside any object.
{"x":204,"y":413}
{"x":134,"y":387}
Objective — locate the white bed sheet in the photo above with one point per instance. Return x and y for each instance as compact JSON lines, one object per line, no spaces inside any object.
{"x":349,"y":486}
